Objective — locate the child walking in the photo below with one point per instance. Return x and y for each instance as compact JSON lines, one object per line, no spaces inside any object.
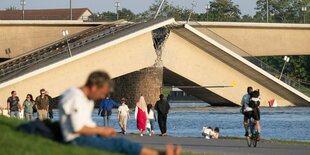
{"x":151,"y":118}
{"x":123,"y":115}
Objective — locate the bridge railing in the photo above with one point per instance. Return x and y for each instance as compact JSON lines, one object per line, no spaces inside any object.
{"x":59,"y":50}
{"x":59,"y":47}
{"x":302,"y":86}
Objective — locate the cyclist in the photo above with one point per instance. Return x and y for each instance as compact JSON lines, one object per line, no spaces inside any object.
{"x":250,"y":110}
{"x":246,"y":109}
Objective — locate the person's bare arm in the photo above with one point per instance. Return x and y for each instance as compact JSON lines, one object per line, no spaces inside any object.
{"x":118,"y":114}
{"x":36,"y":103}
{"x":101,"y":131}
{"x":20,"y":107}
{"x":8,"y":106}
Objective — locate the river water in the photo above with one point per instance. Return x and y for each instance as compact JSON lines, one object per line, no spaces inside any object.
{"x":187,"y":120}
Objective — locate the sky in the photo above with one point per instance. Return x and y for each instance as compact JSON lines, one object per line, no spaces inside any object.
{"x":137,"y":6}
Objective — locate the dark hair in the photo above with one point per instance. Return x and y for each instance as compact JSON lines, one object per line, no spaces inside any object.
{"x":98,"y":78}
{"x":217,"y":129}
{"x":249,"y":89}
{"x":31,"y":97}
{"x":12,"y":92}
{"x":161,"y":96}
{"x":149,"y":107}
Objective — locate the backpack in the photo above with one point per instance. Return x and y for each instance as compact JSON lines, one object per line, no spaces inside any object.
{"x":254,"y":99}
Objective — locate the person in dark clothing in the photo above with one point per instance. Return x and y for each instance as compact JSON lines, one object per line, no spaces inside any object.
{"x":105,"y":110}
{"x":13,"y":105}
{"x":51,"y":106}
{"x":162,"y":107}
{"x":42,"y":104}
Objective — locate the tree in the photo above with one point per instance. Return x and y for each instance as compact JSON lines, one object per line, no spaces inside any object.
{"x":224,"y":10}
{"x":168,"y":10}
{"x":126,"y":14}
{"x":247,"y":18}
{"x":11,"y":8}
{"x":284,"y":11}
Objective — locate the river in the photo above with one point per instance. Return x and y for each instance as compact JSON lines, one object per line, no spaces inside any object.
{"x":187,"y":120}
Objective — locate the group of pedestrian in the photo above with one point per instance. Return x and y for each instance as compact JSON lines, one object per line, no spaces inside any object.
{"x":26,"y":109}
{"x":144,"y":114}
{"x":78,"y":128}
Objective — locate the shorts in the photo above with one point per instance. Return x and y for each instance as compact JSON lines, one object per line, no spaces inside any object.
{"x":122,"y":120}
{"x":252,"y":114}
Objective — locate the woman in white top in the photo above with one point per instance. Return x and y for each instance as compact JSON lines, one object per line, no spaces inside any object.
{"x":123,"y":115}
{"x":151,"y":118}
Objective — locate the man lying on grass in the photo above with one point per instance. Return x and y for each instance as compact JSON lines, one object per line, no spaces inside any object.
{"x":78,"y":128}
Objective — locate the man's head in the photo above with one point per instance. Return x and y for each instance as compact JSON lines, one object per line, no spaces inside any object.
{"x":250,"y":90}
{"x":161,"y":96}
{"x":13,"y":93}
{"x":42,"y":91}
{"x":98,"y":83}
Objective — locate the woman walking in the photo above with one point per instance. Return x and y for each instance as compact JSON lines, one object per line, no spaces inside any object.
{"x":141,"y":115}
{"x":28,"y":107}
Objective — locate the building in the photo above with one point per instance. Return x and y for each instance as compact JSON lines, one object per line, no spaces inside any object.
{"x":46,"y":14}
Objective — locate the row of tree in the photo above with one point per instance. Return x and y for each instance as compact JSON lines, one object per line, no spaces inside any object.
{"x":281,"y":11}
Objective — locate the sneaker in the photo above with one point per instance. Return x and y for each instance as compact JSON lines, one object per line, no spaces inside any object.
{"x":150,"y":134}
{"x":141,"y":135}
{"x":246,"y":134}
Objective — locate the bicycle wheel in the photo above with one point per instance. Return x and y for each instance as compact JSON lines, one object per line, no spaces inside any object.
{"x":254,"y":140}
{"x":248,"y":140}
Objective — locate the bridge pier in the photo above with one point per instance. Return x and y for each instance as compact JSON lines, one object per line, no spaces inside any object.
{"x":147,"y":82}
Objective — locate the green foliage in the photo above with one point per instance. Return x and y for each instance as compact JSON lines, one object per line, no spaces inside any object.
{"x":224,"y":10}
{"x":17,"y":143}
{"x":11,"y":8}
{"x":284,"y":11}
{"x":112,"y":16}
{"x":298,"y":67}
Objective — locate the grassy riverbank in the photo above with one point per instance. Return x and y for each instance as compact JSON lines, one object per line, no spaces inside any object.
{"x":13,"y":142}
{"x":273,"y":141}
{"x":17,"y":143}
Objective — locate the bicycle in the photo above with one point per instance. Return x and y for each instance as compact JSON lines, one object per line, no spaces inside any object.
{"x":252,"y":137}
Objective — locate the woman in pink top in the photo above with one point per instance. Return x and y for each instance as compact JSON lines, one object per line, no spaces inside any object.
{"x":141,"y":115}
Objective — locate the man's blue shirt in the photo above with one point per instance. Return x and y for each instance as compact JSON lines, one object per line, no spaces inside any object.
{"x":107,"y":104}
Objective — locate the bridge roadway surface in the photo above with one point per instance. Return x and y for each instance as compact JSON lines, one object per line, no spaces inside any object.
{"x":222,"y":146}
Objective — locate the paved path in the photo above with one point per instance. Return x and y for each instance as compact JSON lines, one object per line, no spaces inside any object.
{"x":223,"y":146}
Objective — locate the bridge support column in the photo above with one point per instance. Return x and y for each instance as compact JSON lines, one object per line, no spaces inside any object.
{"x":147,"y":82}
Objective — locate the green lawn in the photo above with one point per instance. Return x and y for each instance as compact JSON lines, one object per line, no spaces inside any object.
{"x":13,"y":142}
